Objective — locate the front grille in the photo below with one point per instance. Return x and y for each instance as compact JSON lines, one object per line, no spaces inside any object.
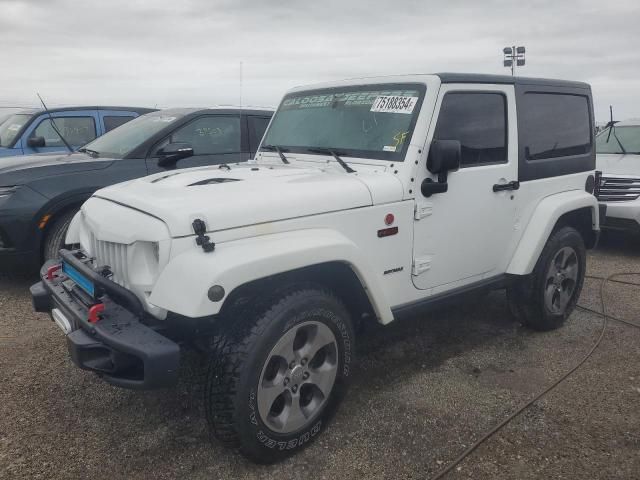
{"x":113,"y":255}
{"x":614,"y":189}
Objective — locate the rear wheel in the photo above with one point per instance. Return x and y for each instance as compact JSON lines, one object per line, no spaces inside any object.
{"x":276,"y":379}
{"x":55,"y":236}
{"x":545,"y":299}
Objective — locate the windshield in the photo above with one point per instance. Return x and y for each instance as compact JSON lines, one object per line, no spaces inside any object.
{"x":368,"y":121}
{"x":123,"y":140}
{"x":10,"y":128}
{"x":621,"y":140}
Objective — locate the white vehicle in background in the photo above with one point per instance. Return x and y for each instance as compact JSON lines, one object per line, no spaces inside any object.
{"x":368,"y":200}
{"x":618,"y":158}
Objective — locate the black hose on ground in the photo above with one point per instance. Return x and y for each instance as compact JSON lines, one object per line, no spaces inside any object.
{"x":605,"y":318}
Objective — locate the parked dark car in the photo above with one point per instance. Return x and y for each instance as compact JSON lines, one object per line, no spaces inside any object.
{"x":40,"y":194}
{"x":30,"y":131}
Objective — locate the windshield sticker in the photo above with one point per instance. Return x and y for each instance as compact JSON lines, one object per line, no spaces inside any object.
{"x":347,"y":99}
{"x":388,"y":148}
{"x":164,"y":119}
{"x":14,"y":128}
{"x":394,"y":104}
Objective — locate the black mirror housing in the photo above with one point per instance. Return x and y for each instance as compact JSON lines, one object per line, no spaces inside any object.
{"x":36,"y":142}
{"x":173,"y":152}
{"x":444,"y":156}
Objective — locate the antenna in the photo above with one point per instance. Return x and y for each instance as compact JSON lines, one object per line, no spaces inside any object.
{"x":53,"y":124}
{"x":240,"y":104}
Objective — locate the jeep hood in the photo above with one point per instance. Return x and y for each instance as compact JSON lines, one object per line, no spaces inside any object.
{"x":249,"y":194}
{"x":618,"y":164}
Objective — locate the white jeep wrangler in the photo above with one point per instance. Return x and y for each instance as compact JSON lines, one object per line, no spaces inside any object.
{"x":370,"y":199}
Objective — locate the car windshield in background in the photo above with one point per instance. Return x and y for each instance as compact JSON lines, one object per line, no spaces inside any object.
{"x":123,"y":140}
{"x":10,"y":128}
{"x":621,"y":140}
{"x":371,"y":121}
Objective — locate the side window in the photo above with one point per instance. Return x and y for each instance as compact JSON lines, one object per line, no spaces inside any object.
{"x":257,"y":127}
{"x":555,"y":125}
{"x":77,"y":131}
{"x":479,"y":122}
{"x":210,"y":135}
{"x":114,"y":122}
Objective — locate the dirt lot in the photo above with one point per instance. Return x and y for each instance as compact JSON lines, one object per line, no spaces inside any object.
{"x":425,"y":390}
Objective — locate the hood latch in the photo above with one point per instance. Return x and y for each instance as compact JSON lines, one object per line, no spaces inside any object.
{"x":202,"y":240}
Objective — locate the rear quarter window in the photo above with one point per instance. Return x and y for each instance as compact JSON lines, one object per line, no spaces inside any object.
{"x":114,"y":122}
{"x":555,"y":130}
{"x":555,"y":125}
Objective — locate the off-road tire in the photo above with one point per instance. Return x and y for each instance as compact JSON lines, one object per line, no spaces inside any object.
{"x":237,"y":359}
{"x":526,"y":297}
{"x":55,"y":236}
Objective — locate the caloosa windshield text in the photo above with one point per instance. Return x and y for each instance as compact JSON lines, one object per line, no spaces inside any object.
{"x":375,"y":121}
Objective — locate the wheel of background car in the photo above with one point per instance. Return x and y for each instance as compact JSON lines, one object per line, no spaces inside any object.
{"x":275,"y":381}
{"x":55,"y":235}
{"x":546,"y":298}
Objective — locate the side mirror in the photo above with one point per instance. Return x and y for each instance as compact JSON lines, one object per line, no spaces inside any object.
{"x":36,"y":142}
{"x":171,"y":153}
{"x":444,"y":157}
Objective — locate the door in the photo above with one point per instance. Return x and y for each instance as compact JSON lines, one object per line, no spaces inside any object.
{"x":77,"y":127}
{"x":464,"y":234}
{"x":215,"y":139}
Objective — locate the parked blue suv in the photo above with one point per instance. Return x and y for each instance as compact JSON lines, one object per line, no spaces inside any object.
{"x":30,"y":131}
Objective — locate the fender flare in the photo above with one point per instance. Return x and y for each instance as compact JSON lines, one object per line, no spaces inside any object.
{"x":541,"y":224}
{"x":184,"y":283}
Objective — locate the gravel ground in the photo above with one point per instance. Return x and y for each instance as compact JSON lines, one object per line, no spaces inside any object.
{"x":426,"y":388}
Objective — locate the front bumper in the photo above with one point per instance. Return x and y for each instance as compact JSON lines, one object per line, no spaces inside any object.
{"x":622,"y":216}
{"x":118,"y":346}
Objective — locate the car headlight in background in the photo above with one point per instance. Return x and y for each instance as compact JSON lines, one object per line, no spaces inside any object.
{"x":6,"y":191}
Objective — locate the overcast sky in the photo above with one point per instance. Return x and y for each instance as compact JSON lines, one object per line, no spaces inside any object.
{"x":188,"y":53}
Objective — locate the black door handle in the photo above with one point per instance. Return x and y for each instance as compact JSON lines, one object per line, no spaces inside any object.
{"x":513,"y":185}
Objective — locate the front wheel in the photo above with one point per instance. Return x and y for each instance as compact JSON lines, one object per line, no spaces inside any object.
{"x":276,"y":379}
{"x":545,"y":299}
{"x":55,"y":236}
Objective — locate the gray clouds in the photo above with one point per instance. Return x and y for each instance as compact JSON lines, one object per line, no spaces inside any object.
{"x":187,"y":53}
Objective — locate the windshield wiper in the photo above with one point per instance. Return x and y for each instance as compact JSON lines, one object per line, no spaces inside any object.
{"x":93,"y":153}
{"x":611,"y":125}
{"x":275,"y":148}
{"x":335,"y":155}
{"x":617,"y":139}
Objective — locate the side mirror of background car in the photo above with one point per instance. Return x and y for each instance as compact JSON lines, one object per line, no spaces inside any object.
{"x":36,"y":142}
{"x":444,"y":156}
{"x":171,"y":153}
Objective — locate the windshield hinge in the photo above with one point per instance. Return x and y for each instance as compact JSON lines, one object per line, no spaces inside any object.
{"x":421,"y":265}
{"x":421,"y":211}
{"x":202,"y":240}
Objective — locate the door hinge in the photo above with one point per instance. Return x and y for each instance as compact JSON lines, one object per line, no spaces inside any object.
{"x":421,"y":211}
{"x":421,"y":265}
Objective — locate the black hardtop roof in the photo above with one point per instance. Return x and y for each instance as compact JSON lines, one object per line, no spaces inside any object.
{"x":140,"y":110}
{"x":507,"y":79}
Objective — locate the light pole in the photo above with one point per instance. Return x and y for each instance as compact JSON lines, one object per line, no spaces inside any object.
{"x":513,"y":56}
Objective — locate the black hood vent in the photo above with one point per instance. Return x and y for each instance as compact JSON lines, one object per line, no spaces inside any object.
{"x":209,"y":181}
